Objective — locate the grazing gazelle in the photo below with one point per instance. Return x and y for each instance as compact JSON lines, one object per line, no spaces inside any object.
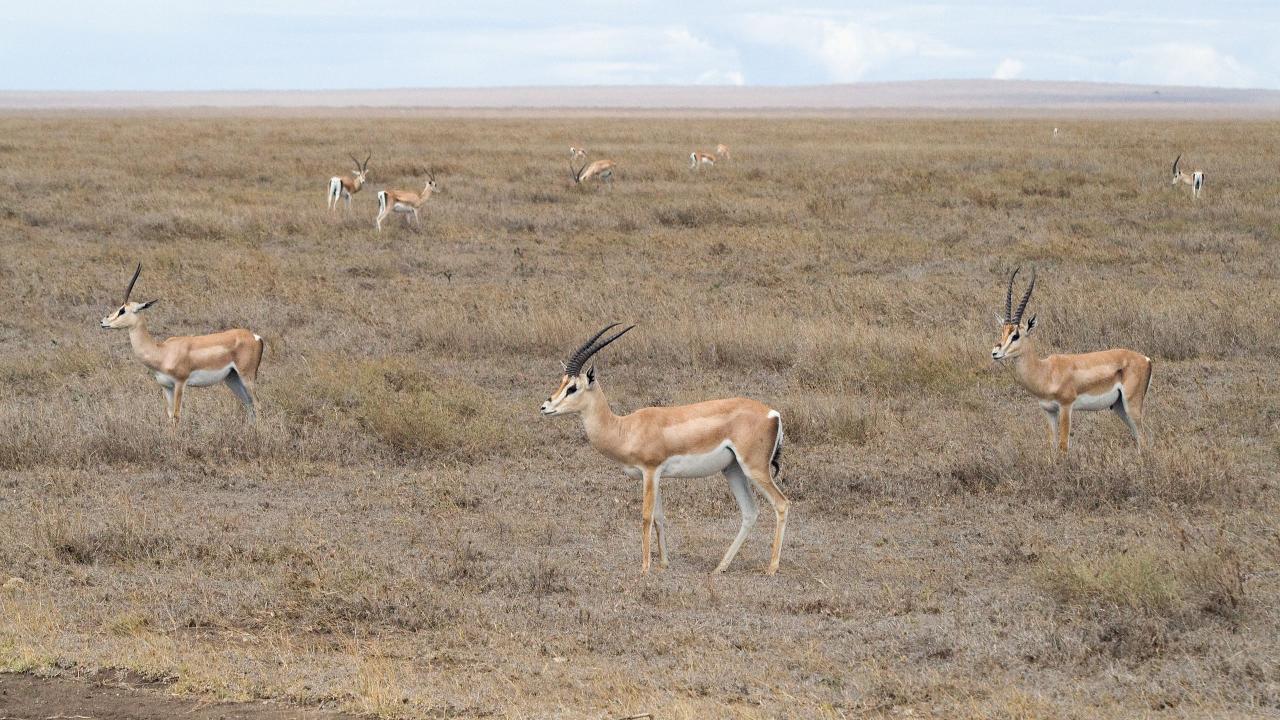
{"x":601,"y":169}
{"x":405,"y":202}
{"x":230,"y":356}
{"x":1115,"y":379}
{"x":739,"y":437}
{"x":698,"y":159}
{"x":344,"y":186}
{"x":722,"y":151}
{"x":578,"y":153}
{"x":1195,"y":178}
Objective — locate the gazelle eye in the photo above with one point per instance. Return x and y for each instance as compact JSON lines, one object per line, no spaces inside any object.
{"x":1014,"y":337}
{"x":121,"y":311}
{"x":572,"y":389}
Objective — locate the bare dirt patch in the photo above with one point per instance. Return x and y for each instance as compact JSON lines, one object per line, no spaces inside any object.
{"x":115,"y":695}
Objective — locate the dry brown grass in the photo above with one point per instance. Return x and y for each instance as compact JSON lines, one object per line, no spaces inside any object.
{"x":399,"y":534}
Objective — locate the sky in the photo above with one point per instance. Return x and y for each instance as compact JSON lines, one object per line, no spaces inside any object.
{"x":358,"y":44}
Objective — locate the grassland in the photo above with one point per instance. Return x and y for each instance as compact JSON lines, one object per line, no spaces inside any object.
{"x":400,"y":534}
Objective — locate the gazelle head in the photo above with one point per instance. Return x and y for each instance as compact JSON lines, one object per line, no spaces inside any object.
{"x":576,"y":383}
{"x":127,"y":315}
{"x":361,"y":172}
{"x":431,"y":186}
{"x":1011,"y":330}
{"x":578,"y":153}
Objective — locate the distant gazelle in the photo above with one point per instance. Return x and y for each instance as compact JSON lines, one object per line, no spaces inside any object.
{"x":600,"y":169}
{"x":1195,"y":178}
{"x":230,"y":356}
{"x":722,"y":152}
{"x":578,"y":153}
{"x":344,"y":186}
{"x":698,"y":159}
{"x":738,"y":437}
{"x":1115,"y":380}
{"x":405,"y":202}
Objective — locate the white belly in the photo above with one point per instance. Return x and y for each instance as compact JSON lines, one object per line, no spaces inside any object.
{"x":198,"y":378}
{"x":1097,"y":402}
{"x":402,"y":208}
{"x":696,"y":466}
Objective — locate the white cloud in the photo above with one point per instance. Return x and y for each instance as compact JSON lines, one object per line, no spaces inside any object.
{"x":847,"y":50}
{"x":1185,"y":64}
{"x":1008,"y":69}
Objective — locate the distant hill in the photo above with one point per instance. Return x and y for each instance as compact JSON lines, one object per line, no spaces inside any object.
{"x":935,"y":97}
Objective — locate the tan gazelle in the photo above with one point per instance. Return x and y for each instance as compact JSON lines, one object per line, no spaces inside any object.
{"x":1115,"y":380}
{"x":578,"y":153}
{"x":230,"y":356}
{"x":600,"y":169}
{"x":722,"y":152}
{"x":344,"y":186}
{"x":405,"y":202}
{"x":1195,"y":178}
{"x":699,"y":159}
{"x":739,"y":437}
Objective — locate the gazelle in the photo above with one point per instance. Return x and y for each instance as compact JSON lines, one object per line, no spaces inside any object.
{"x":698,"y":159}
{"x":577,"y":153}
{"x":601,"y":169}
{"x":738,"y":437}
{"x":405,"y":202}
{"x":230,"y":356}
{"x":1115,"y":380}
{"x":722,"y":152}
{"x":344,"y":186}
{"x":1195,"y":178}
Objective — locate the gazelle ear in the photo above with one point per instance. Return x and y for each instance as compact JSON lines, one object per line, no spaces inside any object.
{"x":1031,"y":324}
{"x":146,"y":305}
{"x":591,"y":375}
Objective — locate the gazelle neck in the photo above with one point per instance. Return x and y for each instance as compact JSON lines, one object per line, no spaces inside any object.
{"x":1027,"y":367}
{"x":144,"y":346}
{"x":603,"y":427}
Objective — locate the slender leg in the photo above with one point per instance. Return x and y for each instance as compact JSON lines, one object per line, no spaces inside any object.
{"x":1052,"y":416}
{"x":348,"y":199}
{"x":178,"y":389}
{"x":1128,"y":421}
{"x":659,"y":523}
{"x":382,"y":214}
{"x":650,"y":485}
{"x":781,"y":506}
{"x":1064,"y":428}
{"x":239,"y":389}
{"x":740,"y":485}
{"x":168,"y":401}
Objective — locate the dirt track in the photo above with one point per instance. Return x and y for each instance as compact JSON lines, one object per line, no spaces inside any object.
{"x":108,"y":696}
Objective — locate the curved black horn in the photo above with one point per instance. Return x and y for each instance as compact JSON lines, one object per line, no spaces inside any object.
{"x":364,"y":166}
{"x":580,"y":355}
{"x":591,"y":347}
{"x":1175,"y":163}
{"x":1008,"y":297}
{"x":129,"y":290}
{"x":1026,"y":297}
{"x":354,"y":160}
